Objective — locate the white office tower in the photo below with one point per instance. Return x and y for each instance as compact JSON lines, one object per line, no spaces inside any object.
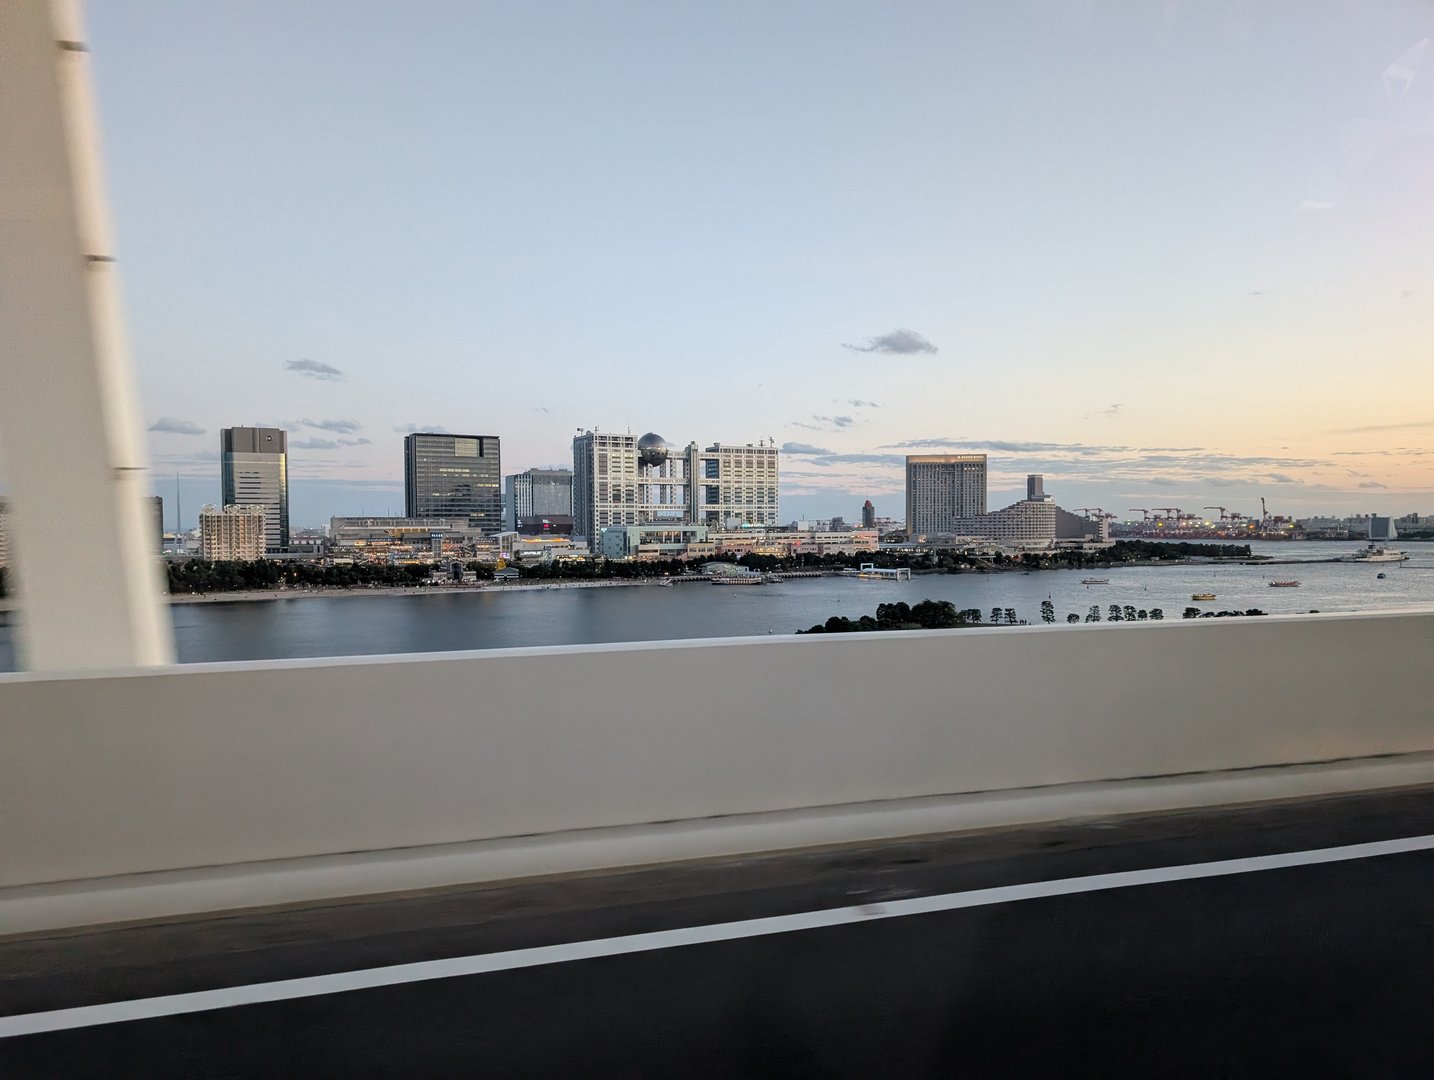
{"x":736,"y":485}
{"x":234,"y":534}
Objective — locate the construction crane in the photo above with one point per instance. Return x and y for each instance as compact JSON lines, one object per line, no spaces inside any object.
{"x":1140,"y":510}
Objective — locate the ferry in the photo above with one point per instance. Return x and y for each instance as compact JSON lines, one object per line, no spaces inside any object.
{"x":1284,"y":584}
{"x":1095,"y":581}
{"x":737,"y":579}
{"x":1374,"y":553}
{"x":1202,"y":596}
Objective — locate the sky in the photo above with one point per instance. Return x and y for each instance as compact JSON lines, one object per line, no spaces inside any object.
{"x":1165,"y":253}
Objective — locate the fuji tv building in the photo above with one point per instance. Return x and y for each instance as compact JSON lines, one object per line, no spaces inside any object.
{"x":622,"y":480}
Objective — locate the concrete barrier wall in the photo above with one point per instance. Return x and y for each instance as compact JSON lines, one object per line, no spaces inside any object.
{"x":219,"y":764}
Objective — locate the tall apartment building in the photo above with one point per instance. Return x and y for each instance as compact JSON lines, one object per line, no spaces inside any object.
{"x":233,"y":534}
{"x":868,"y":515}
{"x":454,"y":476}
{"x":254,"y":471}
{"x":942,"y":489}
{"x":623,"y":480}
{"x":537,"y":493}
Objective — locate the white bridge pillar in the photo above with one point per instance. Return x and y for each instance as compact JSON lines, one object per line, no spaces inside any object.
{"x":83,"y":550}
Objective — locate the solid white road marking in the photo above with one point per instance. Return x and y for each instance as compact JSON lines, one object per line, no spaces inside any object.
{"x":397,"y":974}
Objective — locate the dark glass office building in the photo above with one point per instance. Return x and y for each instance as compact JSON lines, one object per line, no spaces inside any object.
{"x":454,"y":476}
{"x":254,"y":471}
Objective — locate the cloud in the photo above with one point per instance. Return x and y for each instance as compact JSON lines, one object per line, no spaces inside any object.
{"x":802,"y":448}
{"x":172,"y":426}
{"x":1403,"y":69}
{"x":427,"y":429}
{"x":900,"y":342}
{"x":1373,"y":485}
{"x":1258,"y":292}
{"x":858,"y":403}
{"x":539,"y":408}
{"x":314,"y":369}
{"x":1309,"y":205}
{"x":826,"y":423}
{"x":1412,"y":425}
{"x":327,"y":444}
{"x":340,"y":427}
{"x":1282,"y":478}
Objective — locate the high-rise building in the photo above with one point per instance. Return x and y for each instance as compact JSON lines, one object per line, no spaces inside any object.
{"x":736,"y":486}
{"x":454,"y":476}
{"x":234,"y":534}
{"x":254,"y":471}
{"x":537,"y":493}
{"x":868,"y":515}
{"x":1035,"y":487}
{"x":623,"y":480}
{"x":942,"y":489}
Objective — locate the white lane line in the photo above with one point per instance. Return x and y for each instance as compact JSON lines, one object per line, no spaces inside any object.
{"x":397,"y":974}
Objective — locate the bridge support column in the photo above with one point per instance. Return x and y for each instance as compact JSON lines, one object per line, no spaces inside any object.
{"x":83,"y":551}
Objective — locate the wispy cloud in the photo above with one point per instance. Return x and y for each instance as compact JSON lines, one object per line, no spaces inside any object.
{"x":314,"y":369}
{"x":802,"y":448}
{"x":427,"y":429}
{"x":339,"y":427}
{"x":327,"y":444}
{"x":825,"y":423}
{"x":1411,"y":425}
{"x":900,"y":342}
{"x":1312,"y":205}
{"x":173,"y":426}
{"x":540,"y":409}
{"x":1373,"y":485}
{"x":858,"y":403}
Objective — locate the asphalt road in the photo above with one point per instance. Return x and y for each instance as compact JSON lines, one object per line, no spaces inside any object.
{"x":1310,"y":970}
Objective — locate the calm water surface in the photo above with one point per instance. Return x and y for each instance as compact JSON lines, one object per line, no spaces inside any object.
{"x":492,"y":619}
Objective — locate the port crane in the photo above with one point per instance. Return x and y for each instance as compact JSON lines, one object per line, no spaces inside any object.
{"x":1224,"y":514}
{"x":1172,"y":513}
{"x":1140,"y":510}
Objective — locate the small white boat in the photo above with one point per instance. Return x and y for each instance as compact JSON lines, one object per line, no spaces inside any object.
{"x":1375,"y":553}
{"x":1095,"y":581}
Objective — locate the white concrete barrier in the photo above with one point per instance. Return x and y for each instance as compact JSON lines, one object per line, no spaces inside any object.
{"x":218,"y":765}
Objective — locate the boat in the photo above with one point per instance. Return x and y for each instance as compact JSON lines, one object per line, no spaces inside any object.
{"x":1283,"y":584}
{"x":1380,"y":576}
{"x":1202,"y":596}
{"x":1095,"y":581}
{"x":666,"y":582}
{"x":1374,"y":553}
{"x":737,"y":579}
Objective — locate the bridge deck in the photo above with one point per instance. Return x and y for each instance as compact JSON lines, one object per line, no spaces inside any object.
{"x":1301,"y":966}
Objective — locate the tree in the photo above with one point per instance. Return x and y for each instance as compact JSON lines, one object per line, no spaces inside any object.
{"x":1072,"y":618}
{"x":1190,"y":613}
{"x":1048,"y":611}
{"x":1157,"y":614}
{"x":1114,"y":614}
{"x":1010,"y":616}
{"x":1129,"y":612}
{"x":995,"y":616}
{"x":1093,"y":615}
{"x":1142,"y":614}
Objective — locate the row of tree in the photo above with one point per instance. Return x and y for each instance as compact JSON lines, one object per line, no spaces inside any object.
{"x":202,"y":576}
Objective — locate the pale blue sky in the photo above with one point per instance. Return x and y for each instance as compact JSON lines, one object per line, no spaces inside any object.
{"x":1174,"y":253}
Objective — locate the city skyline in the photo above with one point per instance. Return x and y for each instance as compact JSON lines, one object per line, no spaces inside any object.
{"x":1183,"y":257}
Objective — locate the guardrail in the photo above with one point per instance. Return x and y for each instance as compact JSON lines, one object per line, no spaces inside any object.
{"x":223,"y":765}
